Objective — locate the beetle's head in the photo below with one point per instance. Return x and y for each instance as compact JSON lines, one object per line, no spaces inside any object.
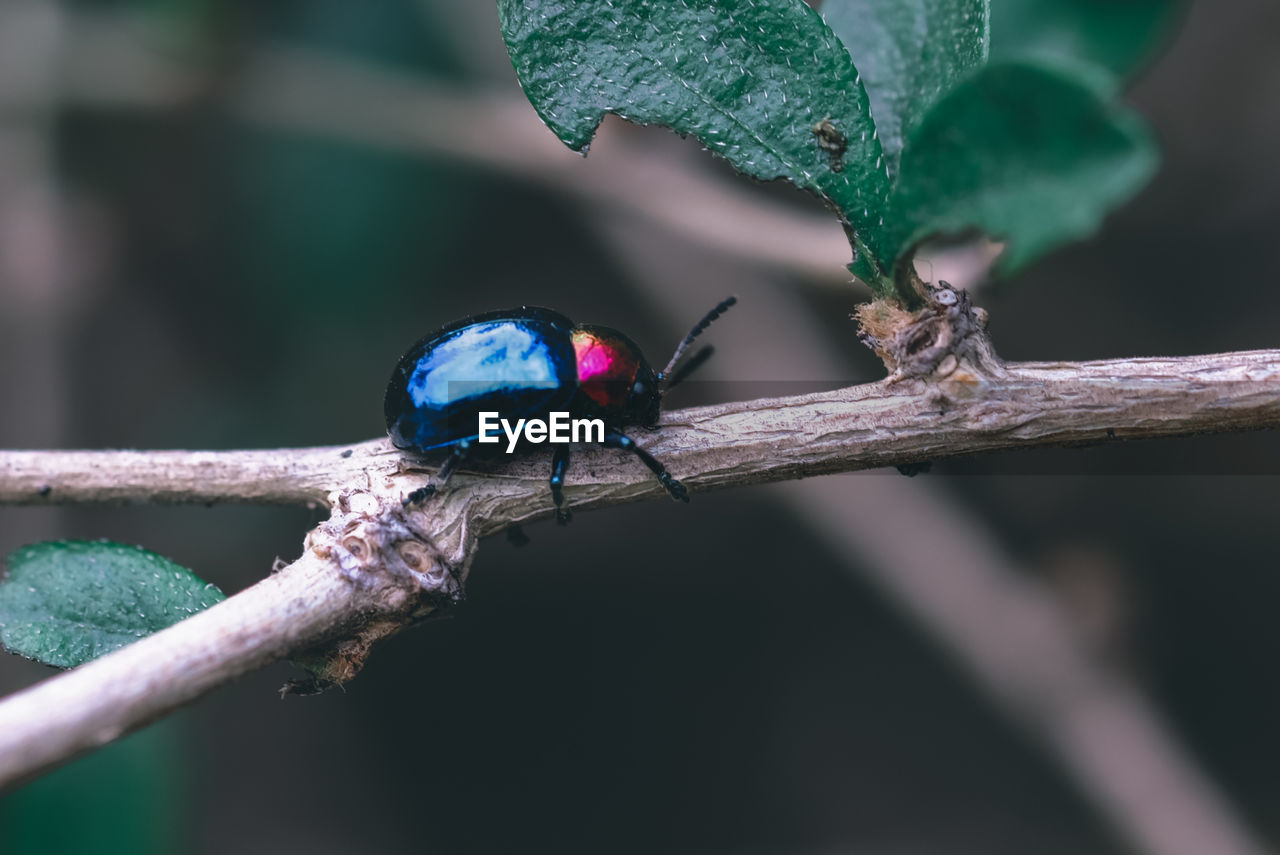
{"x":617,"y":382}
{"x":644,"y":401}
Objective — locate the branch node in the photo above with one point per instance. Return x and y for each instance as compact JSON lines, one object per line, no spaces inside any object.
{"x":372,"y":540}
{"x":396,"y":566}
{"x":945,"y":341}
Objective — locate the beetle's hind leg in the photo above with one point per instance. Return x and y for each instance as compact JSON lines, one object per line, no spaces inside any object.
{"x":457,"y":455}
{"x":614,"y":439}
{"x":560,"y":465}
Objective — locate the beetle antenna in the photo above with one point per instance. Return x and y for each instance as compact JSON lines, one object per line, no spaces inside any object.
{"x":698,"y":329}
{"x":690,"y":365}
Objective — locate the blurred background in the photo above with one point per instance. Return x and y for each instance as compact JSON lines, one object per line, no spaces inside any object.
{"x":222,"y":223}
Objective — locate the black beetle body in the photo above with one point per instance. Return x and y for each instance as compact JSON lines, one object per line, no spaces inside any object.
{"x":526,"y":363}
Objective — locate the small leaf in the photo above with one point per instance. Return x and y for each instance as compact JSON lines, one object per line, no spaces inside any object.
{"x":1027,"y":153}
{"x":910,"y":53}
{"x":753,"y":80}
{"x":1117,"y":36}
{"x":67,"y":602}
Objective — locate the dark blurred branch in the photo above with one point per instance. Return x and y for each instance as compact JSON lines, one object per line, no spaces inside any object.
{"x":942,"y":567}
{"x":37,"y":262}
{"x":1011,"y":636}
{"x":109,"y":64}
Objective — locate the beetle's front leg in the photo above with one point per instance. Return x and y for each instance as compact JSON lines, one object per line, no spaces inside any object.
{"x":457,"y":455}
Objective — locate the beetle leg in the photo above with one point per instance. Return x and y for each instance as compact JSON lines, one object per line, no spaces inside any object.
{"x":614,"y":439}
{"x":418,"y":496}
{"x":560,"y":465}
{"x":456,"y":456}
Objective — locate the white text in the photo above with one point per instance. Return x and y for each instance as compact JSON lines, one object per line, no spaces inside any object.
{"x":558,"y":428}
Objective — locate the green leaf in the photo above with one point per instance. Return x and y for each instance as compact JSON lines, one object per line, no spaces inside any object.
{"x":910,"y":53}
{"x":67,"y":602}
{"x":1117,"y":36}
{"x":1027,"y":153}
{"x":749,"y":78}
{"x":939,"y":140}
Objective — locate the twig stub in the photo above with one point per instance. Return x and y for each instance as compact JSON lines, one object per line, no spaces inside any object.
{"x":948,"y":333}
{"x":378,"y":545}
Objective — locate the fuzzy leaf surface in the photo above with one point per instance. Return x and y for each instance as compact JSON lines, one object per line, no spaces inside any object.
{"x":1028,"y":153}
{"x":1119,"y":37}
{"x":749,"y":78}
{"x":67,"y":602}
{"x":910,"y":53}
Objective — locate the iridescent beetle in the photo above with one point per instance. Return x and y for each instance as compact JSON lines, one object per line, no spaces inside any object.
{"x":527,"y":363}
